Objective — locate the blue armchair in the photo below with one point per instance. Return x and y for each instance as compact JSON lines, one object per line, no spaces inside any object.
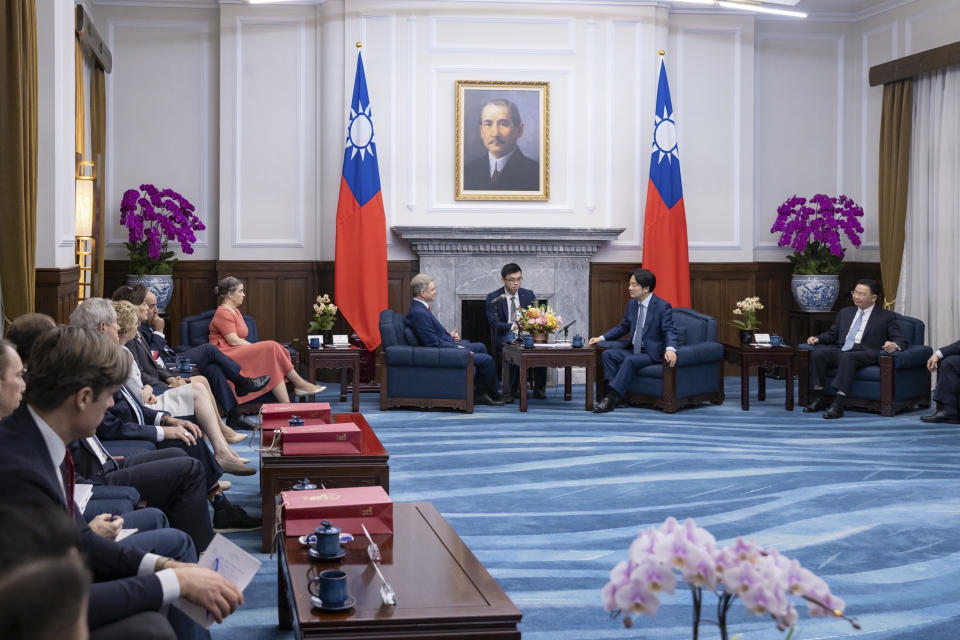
{"x":698,"y":376}
{"x":898,"y":381}
{"x":413,"y":375}
{"x":195,"y":330}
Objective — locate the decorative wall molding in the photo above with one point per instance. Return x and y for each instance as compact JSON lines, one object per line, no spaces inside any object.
{"x":867,"y":196}
{"x":412,"y":129}
{"x":437,"y":47}
{"x":453,"y":241}
{"x":299,"y":215}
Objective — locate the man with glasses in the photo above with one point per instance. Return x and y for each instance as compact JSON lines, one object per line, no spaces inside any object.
{"x":430,"y":333}
{"x":503,"y":307}
{"x":853,"y":341}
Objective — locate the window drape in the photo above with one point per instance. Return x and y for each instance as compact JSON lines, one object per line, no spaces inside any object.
{"x":895,"y":132}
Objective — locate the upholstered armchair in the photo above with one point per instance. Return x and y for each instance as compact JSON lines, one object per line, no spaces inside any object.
{"x":413,"y":375}
{"x":195,"y":330}
{"x":698,"y":376}
{"x":898,"y":381}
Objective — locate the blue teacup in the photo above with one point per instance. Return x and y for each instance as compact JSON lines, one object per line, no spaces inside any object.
{"x":577,"y":341}
{"x":775,"y":340}
{"x":327,"y":544}
{"x":330,"y":586}
{"x":183,"y":363}
{"x":313,"y":342}
{"x":528,"y":342}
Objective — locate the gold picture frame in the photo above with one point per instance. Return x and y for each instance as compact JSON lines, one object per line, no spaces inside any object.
{"x":486,"y":132}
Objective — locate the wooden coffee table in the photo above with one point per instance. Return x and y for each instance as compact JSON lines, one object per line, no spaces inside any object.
{"x":442,"y":589}
{"x":565,"y":357}
{"x":762,"y":358}
{"x":279,"y":473}
{"x":343,"y":359}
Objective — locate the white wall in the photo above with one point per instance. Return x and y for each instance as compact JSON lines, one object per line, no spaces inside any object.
{"x":243,"y":108}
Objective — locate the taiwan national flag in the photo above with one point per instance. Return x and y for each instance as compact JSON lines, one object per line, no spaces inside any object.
{"x":664,"y":220}
{"x":361,"y":260}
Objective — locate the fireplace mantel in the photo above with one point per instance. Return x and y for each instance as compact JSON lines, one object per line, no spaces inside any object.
{"x":452,"y":241}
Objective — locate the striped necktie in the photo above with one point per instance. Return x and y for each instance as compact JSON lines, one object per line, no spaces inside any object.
{"x":133,"y":404}
{"x":638,"y":333}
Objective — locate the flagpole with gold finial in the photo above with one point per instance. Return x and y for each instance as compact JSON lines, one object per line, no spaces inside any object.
{"x":359,"y":44}
{"x":661,"y":52}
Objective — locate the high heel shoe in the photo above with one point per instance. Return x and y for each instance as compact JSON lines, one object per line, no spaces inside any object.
{"x":235,"y":468}
{"x":232,"y":436}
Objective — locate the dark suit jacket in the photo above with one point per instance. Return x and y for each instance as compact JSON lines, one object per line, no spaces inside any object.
{"x":520,"y":173}
{"x":881,"y":327}
{"x":498,"y":314}
{"x":120,"y":422}
{"x":951,"y":349}
{"x":429,"y":331}
{"x":27,"y":472}
{"x":156,"y":341}
{"x":151,"y":373}
{"x":658,"y":330}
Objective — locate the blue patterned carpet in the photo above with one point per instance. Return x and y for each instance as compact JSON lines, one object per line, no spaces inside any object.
{"x":550,"y":500}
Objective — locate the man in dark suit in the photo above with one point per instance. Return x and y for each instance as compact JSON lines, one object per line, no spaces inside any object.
{"x":504,"y":168}
{"x":947,"y":361}
{"x":503,"y":306}
{"x":73,"y":374}
{"x":854,"y":340}
{"x":430,"y":333}
{"x":648,"y":324}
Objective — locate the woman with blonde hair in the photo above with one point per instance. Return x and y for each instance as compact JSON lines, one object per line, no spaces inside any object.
{"x":191,"y":399}
{"x":228,"y":332}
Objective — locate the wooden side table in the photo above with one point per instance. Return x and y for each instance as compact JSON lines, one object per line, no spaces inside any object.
{"x":566,"y":357}
{"x":762,"y":358}
{"x":342,"y":359}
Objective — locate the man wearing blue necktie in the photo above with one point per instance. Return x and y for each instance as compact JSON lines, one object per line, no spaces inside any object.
{"x":855,"y":340}
{"x":648,"y":324}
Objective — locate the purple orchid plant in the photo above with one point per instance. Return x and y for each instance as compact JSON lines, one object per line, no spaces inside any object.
{"x":761,"y":578}
{"x":153,"y":218}
{"x":813,"y":230}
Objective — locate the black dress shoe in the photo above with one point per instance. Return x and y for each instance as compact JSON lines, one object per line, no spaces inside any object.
{"x":249,"y":385}
{"x":817,"y":405}
{"x":836,"y":409}
{"x":484,"y":398}
{"x":240,"y":423}
{"x":540,"y":394}
{"x":942,"y":416}
{"x":608,"y":404}
{"x":507,"y":399}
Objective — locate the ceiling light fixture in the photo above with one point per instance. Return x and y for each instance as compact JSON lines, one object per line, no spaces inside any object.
{"x":755,"y":7}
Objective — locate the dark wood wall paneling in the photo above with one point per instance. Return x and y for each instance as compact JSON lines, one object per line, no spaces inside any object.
{"x":715,"y":289}
{"x":280,"y":294}
{"x":56,"y":291}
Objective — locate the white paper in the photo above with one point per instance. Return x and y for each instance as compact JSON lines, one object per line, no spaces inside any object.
{"x":230,"y":561}
{"x":341,"y":339}
{"x":762,"y":338}
{"x":81,"y":495}
{"x":124,"y":533}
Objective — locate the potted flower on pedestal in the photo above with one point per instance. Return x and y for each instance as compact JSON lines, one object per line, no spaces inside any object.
{"x":153,"y":218}
{"x":813,"y":230}
{"x":324,"y":315}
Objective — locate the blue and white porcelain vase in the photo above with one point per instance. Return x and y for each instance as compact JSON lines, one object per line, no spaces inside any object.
{"x":815,"y":292}
{"x":162,"y":286}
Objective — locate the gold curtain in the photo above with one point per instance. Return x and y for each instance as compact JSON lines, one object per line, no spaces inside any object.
{"x":18,"y":160}
{"x":98,"y":148}
{"x":896,"y":127}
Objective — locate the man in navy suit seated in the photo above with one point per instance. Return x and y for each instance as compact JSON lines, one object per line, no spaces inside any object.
{"x":648,"y":324}
{"x":855,"y":339}
{"x":947,"y":393}
{"x":430,"y":333}
{"x":503,"y":306}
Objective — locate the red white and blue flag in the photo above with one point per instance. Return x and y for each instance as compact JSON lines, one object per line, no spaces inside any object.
{"x":361,"y":259}
{"x":664,"y":220}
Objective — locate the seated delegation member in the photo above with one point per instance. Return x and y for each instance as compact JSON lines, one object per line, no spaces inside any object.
{"x":12,"y":384}
{"x":853,"y":341}
{"x":73,"y":373}
{"x":228,"y":332}
{"x":648,"y":324}
{"x":946,"y":361}
{"x":192,"y":399}
{"x":215,"y":368}
{"x":430,"y":333}
{"x":25,"y":329}
{"x":503,"y":307}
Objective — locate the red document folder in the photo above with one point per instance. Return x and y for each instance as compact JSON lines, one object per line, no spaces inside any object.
{"x":278,"y":415}
{"x":346,"y":508}
{"x":321,"y":439}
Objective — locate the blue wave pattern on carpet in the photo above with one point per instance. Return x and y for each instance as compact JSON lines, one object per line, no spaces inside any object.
{"x":550,"y":500}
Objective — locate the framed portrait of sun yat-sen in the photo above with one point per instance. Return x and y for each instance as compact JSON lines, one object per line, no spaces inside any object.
{"x":502,"y":140}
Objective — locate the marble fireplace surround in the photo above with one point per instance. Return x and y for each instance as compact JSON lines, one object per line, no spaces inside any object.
{"x":466,"y":263}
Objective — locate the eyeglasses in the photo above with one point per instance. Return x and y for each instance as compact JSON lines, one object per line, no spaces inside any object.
{"x":854,"y":292}
{"x":516,"y":280}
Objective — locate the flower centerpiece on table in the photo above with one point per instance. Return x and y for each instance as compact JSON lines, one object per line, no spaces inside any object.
{"x":761,"y":578}
{"x":539,"y":319}
{"x":746,"y":314}
{"x":324,"y":313}
{"x":153,"y":218}
{"x":815,"y":229}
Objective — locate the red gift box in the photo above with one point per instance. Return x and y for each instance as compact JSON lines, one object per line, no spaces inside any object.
{"x":346,"y":508}
{"x":278,"y":415}
{"x":321,"y":439}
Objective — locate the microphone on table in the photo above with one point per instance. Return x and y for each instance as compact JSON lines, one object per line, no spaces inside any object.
{"x":500,"y":297}
{"x":566,"y":328}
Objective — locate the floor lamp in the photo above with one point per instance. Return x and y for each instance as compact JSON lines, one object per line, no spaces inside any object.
{"x":83,"y":222}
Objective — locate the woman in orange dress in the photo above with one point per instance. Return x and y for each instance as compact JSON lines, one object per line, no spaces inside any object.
{"x":228,"y":332}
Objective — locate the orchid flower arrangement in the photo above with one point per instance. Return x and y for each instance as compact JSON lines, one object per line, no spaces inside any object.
{"x":746,"y":312}
{"x":539,"y":319}
{"x":813,"y":230}
{"x":153,"y":218}
{"x":761,"y":578}
{"x":324,"y":313}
